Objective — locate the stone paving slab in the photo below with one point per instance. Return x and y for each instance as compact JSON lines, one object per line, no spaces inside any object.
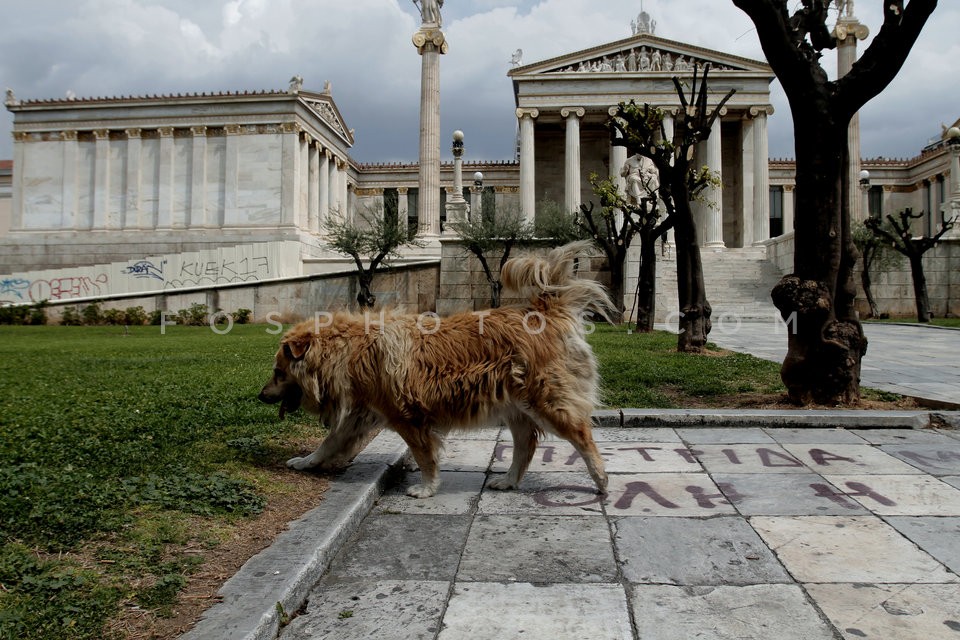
{"x":939,"y":459}
{"x":539,"y":549}
{"x":847,"y":549}
{"x":619,"y":457}
{"x":496,"y":611}
{"x":785,"y":494}
{"x":752,"y":612}
{"x":815,"y":435}
{"x":366,"y":609}
{"x":907,"y":495}
{"x":887,"y":611}
{"x":938,"y":536}
{"x":694,"y":551}
{"x":848,"y":458}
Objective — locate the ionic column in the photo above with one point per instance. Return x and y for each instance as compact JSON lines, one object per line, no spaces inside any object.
{"x":231,"y":178}
{"x":290,"y":173}
{"x":101,"y":184}
{"x":71,"y":218}
{"x":788,"y":208}
{"x":761,"y":176}
{"x":713,"y":233}
{"x":431,"y":44}
{"x":165,"y":186}
{"x":571,"y":164}
{"x":198,"y":189}
{"x":403,"y":206}
{"x":20,"y":139}
{"x":747,"y":183}
{"x":344,"y":196}
{"x":528,"y":186}
{"x":334,"y":184}
{"x":313,"y":191}
{"x":132,"y":199}
{"x":323,"y":191}
{"x":847,"y":31}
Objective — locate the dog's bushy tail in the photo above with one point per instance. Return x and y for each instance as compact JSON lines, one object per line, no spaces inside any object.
{"x":552,"y":277}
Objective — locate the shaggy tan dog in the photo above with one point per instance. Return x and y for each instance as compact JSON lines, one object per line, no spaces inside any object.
{"x":423,"y":376}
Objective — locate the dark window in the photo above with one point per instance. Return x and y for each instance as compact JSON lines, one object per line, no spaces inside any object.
{"x":776,"y":211}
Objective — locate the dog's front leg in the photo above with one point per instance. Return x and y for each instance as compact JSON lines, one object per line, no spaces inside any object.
{"x":345,"y":440}
{"x":424,"y":447}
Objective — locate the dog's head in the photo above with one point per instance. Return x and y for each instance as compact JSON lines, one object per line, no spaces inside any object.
{"x":285,"y":387}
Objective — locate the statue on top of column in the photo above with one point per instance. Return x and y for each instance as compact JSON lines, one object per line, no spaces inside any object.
{"x":430,"y":11}
{"x":845,"y":8}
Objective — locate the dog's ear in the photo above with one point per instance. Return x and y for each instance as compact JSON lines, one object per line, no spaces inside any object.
{"x":295,"y":348}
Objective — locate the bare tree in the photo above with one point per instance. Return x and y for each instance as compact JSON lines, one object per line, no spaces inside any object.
{"x":485,"y":236}
{"x":827,"y":344}
{"x":640,"y":130}
{"x":876,"y":255}
{"x":902,"y":240}
{"x":370,"y":238}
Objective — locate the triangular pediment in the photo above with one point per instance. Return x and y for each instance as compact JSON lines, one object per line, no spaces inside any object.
{"x":642,"y":54}
{"x":323,"y":106}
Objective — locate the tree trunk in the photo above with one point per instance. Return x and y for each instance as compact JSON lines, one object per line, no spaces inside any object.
{"x":920,"y":288}
{"x":647,"y":283}
{"x":616,"y":285}
{"x":495,"y":288}
{"x":825,"y":338}
{"x":365,"y":297}
{"x":694,"y":323}
{"x":867,"y":283}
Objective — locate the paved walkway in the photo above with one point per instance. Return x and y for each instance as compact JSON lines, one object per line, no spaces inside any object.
{"x":911,"y":360}
{"x":751,"y":532}
{"x":773,"y":534}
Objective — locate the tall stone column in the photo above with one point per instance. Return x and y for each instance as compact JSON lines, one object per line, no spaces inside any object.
{"x":333,"y":180}
{"x":668,"y":134}
{"x":323,"y":189}
{"x":101,"y":188}
{"x":528,"y":183}
{"x":788,"y":208}
{"x":848,"y":31}
{"x":231,"y":178}
{"x":198,"y":188}
{"x":290,"y":173}
{"x":132,"y":198}
{"x":403,"y":206}
{"x":571,"y":162}
{"x":313,"y":192}
{"x":344,"y":196}
{"x":952,"y":210}
{"x":713,"y":231}
{"x":761,"y":176}
{"x":166,"y":186}
{"x":71,"y":203}
{"x":431,"y":44}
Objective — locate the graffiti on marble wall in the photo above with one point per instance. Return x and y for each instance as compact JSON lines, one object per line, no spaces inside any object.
{"x":242,"y":263}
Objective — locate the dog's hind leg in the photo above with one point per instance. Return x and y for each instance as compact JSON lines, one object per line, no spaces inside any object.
{"x":424,"y":446}
{"x":525,"y":434}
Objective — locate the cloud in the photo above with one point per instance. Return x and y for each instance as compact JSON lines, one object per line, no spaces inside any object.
{"x":123,"y":47}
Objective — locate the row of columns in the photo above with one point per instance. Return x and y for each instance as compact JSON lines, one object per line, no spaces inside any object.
{"x":303,"y":159}
{"x":755,"y":167}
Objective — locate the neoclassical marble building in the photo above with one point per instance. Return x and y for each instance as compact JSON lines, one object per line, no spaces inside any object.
{"x":231,"y":187}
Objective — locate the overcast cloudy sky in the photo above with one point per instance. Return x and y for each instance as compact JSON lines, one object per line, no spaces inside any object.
{"x":124,"y":47}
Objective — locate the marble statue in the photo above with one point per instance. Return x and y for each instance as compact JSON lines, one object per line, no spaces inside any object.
{"x":11,"y":98}
{"x":642,"y":177}
{"x":296,"y":84}
{"x":656,"y":61}
{"x":430,"y":11}
{"x":644,"y":59}
{"x":517,"y":58}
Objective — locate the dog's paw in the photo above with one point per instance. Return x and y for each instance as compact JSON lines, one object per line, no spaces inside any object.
{"x":503,"y":483}
{"x":422,"y":490}
{"x":300,"y":464}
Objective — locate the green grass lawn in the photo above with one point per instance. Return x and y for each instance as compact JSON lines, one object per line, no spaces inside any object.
{"x":118,"y":444}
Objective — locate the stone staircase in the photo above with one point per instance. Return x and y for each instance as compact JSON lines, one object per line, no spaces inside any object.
{"x":738,"y":283}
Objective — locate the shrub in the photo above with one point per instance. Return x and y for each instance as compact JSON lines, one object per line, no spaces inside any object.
{"x":195,"y":316}
{"x":114,"y":316}
{"x":70,"y":317}
{"x":92,"y":314}
{"x":241,"y":316}
{"x":136,"y":315}
{"x":155,"y":317}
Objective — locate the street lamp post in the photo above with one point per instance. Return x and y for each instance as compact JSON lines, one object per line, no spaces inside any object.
{"x":457,"y":208}
{"x":865,"y":188}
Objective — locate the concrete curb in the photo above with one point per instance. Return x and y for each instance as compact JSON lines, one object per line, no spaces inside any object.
{"x":275,"y":582}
